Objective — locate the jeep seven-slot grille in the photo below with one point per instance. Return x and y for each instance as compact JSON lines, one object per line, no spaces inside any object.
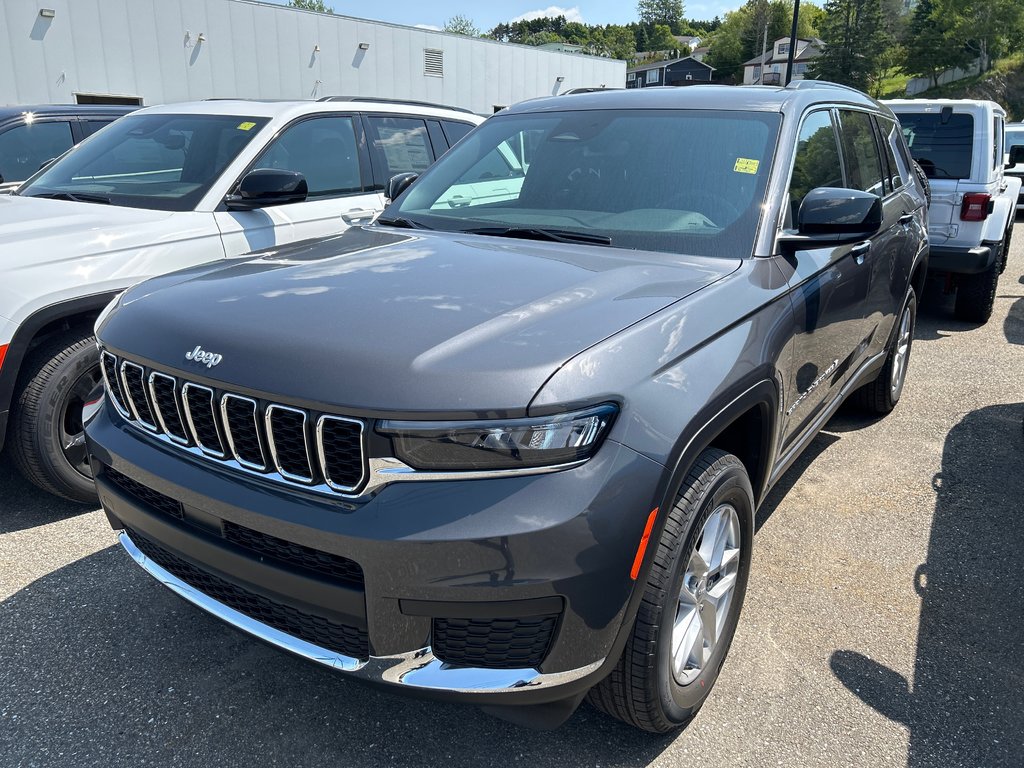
{"x":289,"y":445}
{"x":342,"y":638}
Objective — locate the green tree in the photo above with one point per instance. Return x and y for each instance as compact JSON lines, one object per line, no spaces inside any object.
{"x":927,"y":53}
{"x":854,"y":41}
{"x":310,"y":5}
{"x":461,"y":25}
{"x":667,"y":12}
{"x":986,"y":28}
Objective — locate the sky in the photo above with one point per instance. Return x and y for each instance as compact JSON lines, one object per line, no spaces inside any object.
{"x":487,"y":14}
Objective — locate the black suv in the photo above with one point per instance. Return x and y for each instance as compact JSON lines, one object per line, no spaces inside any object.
{"x":506,"y":444}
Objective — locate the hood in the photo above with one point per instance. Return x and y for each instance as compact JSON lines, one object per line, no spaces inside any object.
{"x":36,"y":230}
{"x":375,"y":321}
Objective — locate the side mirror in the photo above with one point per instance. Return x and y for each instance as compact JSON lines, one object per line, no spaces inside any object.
{"x":1016,"y":155}
{"x":833,"y":214}
{"x":268,"y":186}
{"x":397,"y":184}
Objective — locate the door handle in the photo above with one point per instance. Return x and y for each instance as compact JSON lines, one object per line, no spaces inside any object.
{"x":905,"y":219}
{"x":860,"y":251}
{"x":355,"y":216}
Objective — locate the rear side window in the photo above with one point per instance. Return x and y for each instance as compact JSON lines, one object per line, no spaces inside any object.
{"x":860,"y":153}
{"x":817,"y":159}
{"x":898,"y":172}
{"x":89,"y":127}
{"x":400,"y":144}
{"x":943,"y":150}
{"x":25,"y":148}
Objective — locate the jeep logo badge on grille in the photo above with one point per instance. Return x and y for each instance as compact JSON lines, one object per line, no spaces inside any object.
{"x":197,"y":355}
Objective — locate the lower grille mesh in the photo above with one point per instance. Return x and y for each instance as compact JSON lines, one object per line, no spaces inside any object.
{"x":341,"y":638}
{"x":148,"y":496}
{"x":494,"y":643}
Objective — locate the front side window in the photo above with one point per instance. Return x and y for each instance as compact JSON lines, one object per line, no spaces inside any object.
{"x":24,"y":149}
{"x":942,"y":146}
{"x":614,"y":177}
{"x":860,"y":153}
{"x":816,"y":163}
{"x":324,"y":150}
{"x":158,"y":161}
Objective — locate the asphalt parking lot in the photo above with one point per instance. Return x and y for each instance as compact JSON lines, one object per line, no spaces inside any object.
{"x":884,"y":623}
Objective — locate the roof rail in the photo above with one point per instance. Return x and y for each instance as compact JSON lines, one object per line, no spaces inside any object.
{"x":803,"y":85}
{"x":407,"y":102}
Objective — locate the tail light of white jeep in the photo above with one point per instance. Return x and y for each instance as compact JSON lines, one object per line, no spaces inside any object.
{"x":976,"y":206}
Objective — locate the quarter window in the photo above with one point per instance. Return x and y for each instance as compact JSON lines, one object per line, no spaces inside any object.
{"x":323,"y":149}
{"x":817,"y":159}
{"x":860,"y":153}
{"x":25,"y":148}
{"x":898,"y":173}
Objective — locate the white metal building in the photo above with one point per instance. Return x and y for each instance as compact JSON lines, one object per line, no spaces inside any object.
{"x":161,"y":51}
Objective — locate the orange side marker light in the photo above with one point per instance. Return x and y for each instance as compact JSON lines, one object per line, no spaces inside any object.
{"x":643,"y":544}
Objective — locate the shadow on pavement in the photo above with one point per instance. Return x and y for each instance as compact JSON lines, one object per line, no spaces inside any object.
{"x":24,"y":506}
{"x":965,"y":704}
{"x":103,"y":666}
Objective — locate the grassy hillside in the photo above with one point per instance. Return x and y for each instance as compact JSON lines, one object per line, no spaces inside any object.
{"x":1004,"y":83}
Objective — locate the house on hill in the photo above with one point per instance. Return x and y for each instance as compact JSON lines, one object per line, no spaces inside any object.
{"x":770,"y":69}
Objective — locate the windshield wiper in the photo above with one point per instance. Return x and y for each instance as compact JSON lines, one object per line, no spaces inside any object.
{"x":77,"y":197}
{"x":398,"y":221}
{"x":534,"y":233}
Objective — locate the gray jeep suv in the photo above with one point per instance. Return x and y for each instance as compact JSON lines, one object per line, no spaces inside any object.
{"x":505,"y":445}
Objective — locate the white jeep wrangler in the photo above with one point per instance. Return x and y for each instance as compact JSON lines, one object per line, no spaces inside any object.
{"x":162,"y":189}
{"x":959,"y":144}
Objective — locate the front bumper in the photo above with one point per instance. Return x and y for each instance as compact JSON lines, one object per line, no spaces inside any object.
{"x":960,"y":259}
{"x":470,"y":557}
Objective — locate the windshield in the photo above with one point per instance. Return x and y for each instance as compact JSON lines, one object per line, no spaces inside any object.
{"x":158,"y":161}
{"x":664,"y":180}
{"x":943,"y":147}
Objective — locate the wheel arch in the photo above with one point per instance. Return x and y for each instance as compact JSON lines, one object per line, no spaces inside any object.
{"x":36,"y":329}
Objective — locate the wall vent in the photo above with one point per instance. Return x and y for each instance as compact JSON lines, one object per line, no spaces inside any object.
{"x":433,"y":62}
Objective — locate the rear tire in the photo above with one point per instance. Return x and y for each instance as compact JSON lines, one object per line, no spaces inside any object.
{"x":47,"y":439}
{"x":881,"y":395}
{"x":976,"y":294}
{"x":680,"y":638}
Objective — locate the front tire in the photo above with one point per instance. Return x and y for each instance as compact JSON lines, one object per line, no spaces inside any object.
{"x":47,"y":437}
{"x":691,"y":602}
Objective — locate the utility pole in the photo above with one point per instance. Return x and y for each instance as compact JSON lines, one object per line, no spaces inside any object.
{"x":792,"y":42}
{"x":764,"y":49}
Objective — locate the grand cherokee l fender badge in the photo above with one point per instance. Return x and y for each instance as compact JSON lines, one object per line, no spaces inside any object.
{"x":209,"y":359}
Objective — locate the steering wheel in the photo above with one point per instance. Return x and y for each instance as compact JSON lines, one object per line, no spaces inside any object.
{"x":701,"y":202}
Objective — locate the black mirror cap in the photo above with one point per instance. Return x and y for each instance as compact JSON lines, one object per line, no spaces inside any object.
{"x":839,"y":212}
{"x":268,"y":186}
{"x":1016,"y":155}
{"x":398,"y":183}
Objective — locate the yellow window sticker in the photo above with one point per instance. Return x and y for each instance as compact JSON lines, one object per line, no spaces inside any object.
{"x":746,"y":165}
{"x":250,"y":126}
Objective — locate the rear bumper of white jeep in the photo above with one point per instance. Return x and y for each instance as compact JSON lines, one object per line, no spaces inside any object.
{"x":961,"y":259}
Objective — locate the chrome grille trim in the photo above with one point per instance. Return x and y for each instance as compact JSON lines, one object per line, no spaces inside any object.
{"x":255,"y":425}
{"x":218,"y":452}
{"x":127,"y":391}
{"x":323,"y":458}
{"x":177,"y":406}
{"x":267,"y":416}
{"x":108,"y":359}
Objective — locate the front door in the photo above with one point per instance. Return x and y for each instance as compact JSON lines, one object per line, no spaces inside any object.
{"x":325,"y":149}
{"x":830,"y":288}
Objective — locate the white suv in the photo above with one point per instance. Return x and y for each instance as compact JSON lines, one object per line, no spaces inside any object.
{"x":166,"y":188}
{"x":959,"y":145}
{"x":1015,"y":138}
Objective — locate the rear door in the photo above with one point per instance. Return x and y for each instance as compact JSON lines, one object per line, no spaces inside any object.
{"x":942,"y":143}
{"x":330,"y":151}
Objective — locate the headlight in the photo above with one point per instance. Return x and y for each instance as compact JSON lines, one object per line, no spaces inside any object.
{"x":495,"y":445}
